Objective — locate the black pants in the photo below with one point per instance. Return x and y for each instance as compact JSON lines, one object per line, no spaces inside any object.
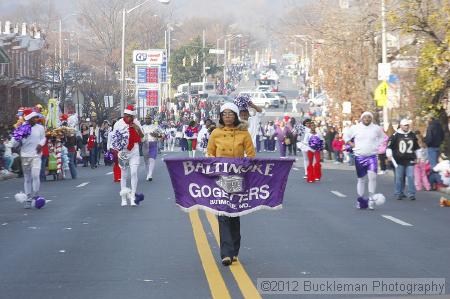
{"x":382,"y":159}
{"x":293,"y":146}
{"x":230,"y":236}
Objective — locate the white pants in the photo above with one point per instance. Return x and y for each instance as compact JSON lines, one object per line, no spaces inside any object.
{"x":31,"y":167}
{"x":134,"y":166}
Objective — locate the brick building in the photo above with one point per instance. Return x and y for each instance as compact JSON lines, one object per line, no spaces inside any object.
{"x":20,"y":73}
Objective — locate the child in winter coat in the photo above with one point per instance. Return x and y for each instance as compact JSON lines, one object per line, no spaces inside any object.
{"x":338,"y":145}
{"x":420,"y":173}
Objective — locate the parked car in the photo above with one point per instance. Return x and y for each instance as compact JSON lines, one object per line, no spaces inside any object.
{"x":318,"y":100}
{"x":220,"y":98}
{"x":282,"y":97}
{"x":265,"y":99}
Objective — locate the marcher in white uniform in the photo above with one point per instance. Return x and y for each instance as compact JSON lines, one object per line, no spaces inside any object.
{"x":30,"y":154}
{"x":253,"y":120}
{"x":130,"y":153}
{"x":150,"y":145}
{"x":367,"y":138}
{"x":304,"y":147}
{"x":171,"y":133}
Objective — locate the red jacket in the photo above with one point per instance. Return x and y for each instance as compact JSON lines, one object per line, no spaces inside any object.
{"x":338,"y":144}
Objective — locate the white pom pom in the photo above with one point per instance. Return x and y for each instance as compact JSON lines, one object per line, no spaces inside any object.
{"x":21,"y":197}
{"x":125,"y":192}
{"x":379,"y":199}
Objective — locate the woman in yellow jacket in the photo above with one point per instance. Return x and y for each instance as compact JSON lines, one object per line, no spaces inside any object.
{"x":230,"y":140}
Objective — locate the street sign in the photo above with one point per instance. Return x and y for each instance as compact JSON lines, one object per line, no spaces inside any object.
{"x":148,"y":57}
{"x":384,"y":71}
{"x":347,"y":107}
{"x":381,"y":94}
{"x":109,"y":101}
{"x":150,"y":97}
{"x":216,"y":51}
{"x":146,"y":75}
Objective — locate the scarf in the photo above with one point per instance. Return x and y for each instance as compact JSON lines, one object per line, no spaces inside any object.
{"x":133,"y":138}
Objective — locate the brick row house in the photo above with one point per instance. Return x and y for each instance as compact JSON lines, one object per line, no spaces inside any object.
{"x":21,"y":65}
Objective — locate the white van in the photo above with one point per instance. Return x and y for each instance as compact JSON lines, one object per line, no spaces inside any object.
{"x":265,"y":99}
{"x":200,"y":88}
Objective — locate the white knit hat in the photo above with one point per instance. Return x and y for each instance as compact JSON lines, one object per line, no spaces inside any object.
{"x":130,"y":110}
{"x":229,"y":106}
{"x":405,"y":122}
{"x":367,"y":113}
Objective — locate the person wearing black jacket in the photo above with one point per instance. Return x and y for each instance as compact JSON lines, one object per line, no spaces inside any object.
{"x":70,"y":142}
{"x":401,"y":149}
{"x":329,"y":137}
{"x":433,"y":139}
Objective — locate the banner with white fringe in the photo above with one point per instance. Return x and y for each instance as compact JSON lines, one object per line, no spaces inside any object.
{"x":229,"y":186}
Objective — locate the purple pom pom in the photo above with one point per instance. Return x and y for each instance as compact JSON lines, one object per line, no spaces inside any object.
{"x":138,"y":197}
{"x":242,"y":102}
{"x":120,"y":139}
{"x":348,"y":148}
{"x":23,"y":131}
{"x":363,"y":202}
{"x":108,"y":156}
{"x":316,"y":143}
{"x":189,"y":132}
{"x":39,"y":202}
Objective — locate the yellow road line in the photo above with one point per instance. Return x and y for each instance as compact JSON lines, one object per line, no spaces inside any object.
{"x":244,"y":282}
{"x":213,"y":275}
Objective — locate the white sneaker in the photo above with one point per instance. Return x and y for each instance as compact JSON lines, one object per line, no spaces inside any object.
{"x":381,"y":172}
{"x":124,"y":202}
{"x":371,"y":204}
{"x":132,"y":197}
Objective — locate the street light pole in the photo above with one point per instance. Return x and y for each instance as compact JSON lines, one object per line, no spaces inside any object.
{"x":225,"y":63}
{"x":122,"y":68}
{"x":384,"y":57}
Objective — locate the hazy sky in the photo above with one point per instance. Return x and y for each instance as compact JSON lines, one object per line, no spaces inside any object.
{"x":265,"y":10}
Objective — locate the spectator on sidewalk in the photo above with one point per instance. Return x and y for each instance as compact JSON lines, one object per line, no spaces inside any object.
{"x":338,"y":146}
{"x":402,"y":147}
{"x":420,"y":169}
{"x":382,"y":151}
{"x":329,"y":137}
{"x":433,"y":139}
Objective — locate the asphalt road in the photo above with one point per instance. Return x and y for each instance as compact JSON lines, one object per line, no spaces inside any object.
{"x":83,"y":244}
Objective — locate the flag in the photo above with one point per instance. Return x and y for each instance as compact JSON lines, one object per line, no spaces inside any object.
{"x":229,"y":186}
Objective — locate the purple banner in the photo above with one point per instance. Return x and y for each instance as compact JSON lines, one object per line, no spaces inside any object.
{"x":228,"y":186}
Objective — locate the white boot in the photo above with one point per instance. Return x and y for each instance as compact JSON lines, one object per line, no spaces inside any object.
{"x":124,"y":195}
{"x":131,"y":198}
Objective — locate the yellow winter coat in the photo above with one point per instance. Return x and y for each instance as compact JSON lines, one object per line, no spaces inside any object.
{"x":231,"y":142}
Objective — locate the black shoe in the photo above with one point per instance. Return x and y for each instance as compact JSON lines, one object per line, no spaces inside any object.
{"x":412,"y":198}
{"x":226,"y":261}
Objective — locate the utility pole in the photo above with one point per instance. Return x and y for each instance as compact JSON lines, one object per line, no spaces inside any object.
{"x":225,"y":63}
{"x":122,"y":68}
{"x":384,"y":56}
{"x":61,"y":73}
{"x":204,"y":57}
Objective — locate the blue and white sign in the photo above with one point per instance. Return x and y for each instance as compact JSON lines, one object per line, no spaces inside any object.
{"x":148,"y":57}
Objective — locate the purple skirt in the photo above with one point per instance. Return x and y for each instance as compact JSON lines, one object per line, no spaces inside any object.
{"x":152,"y":149}
{"x":365,"y":163}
